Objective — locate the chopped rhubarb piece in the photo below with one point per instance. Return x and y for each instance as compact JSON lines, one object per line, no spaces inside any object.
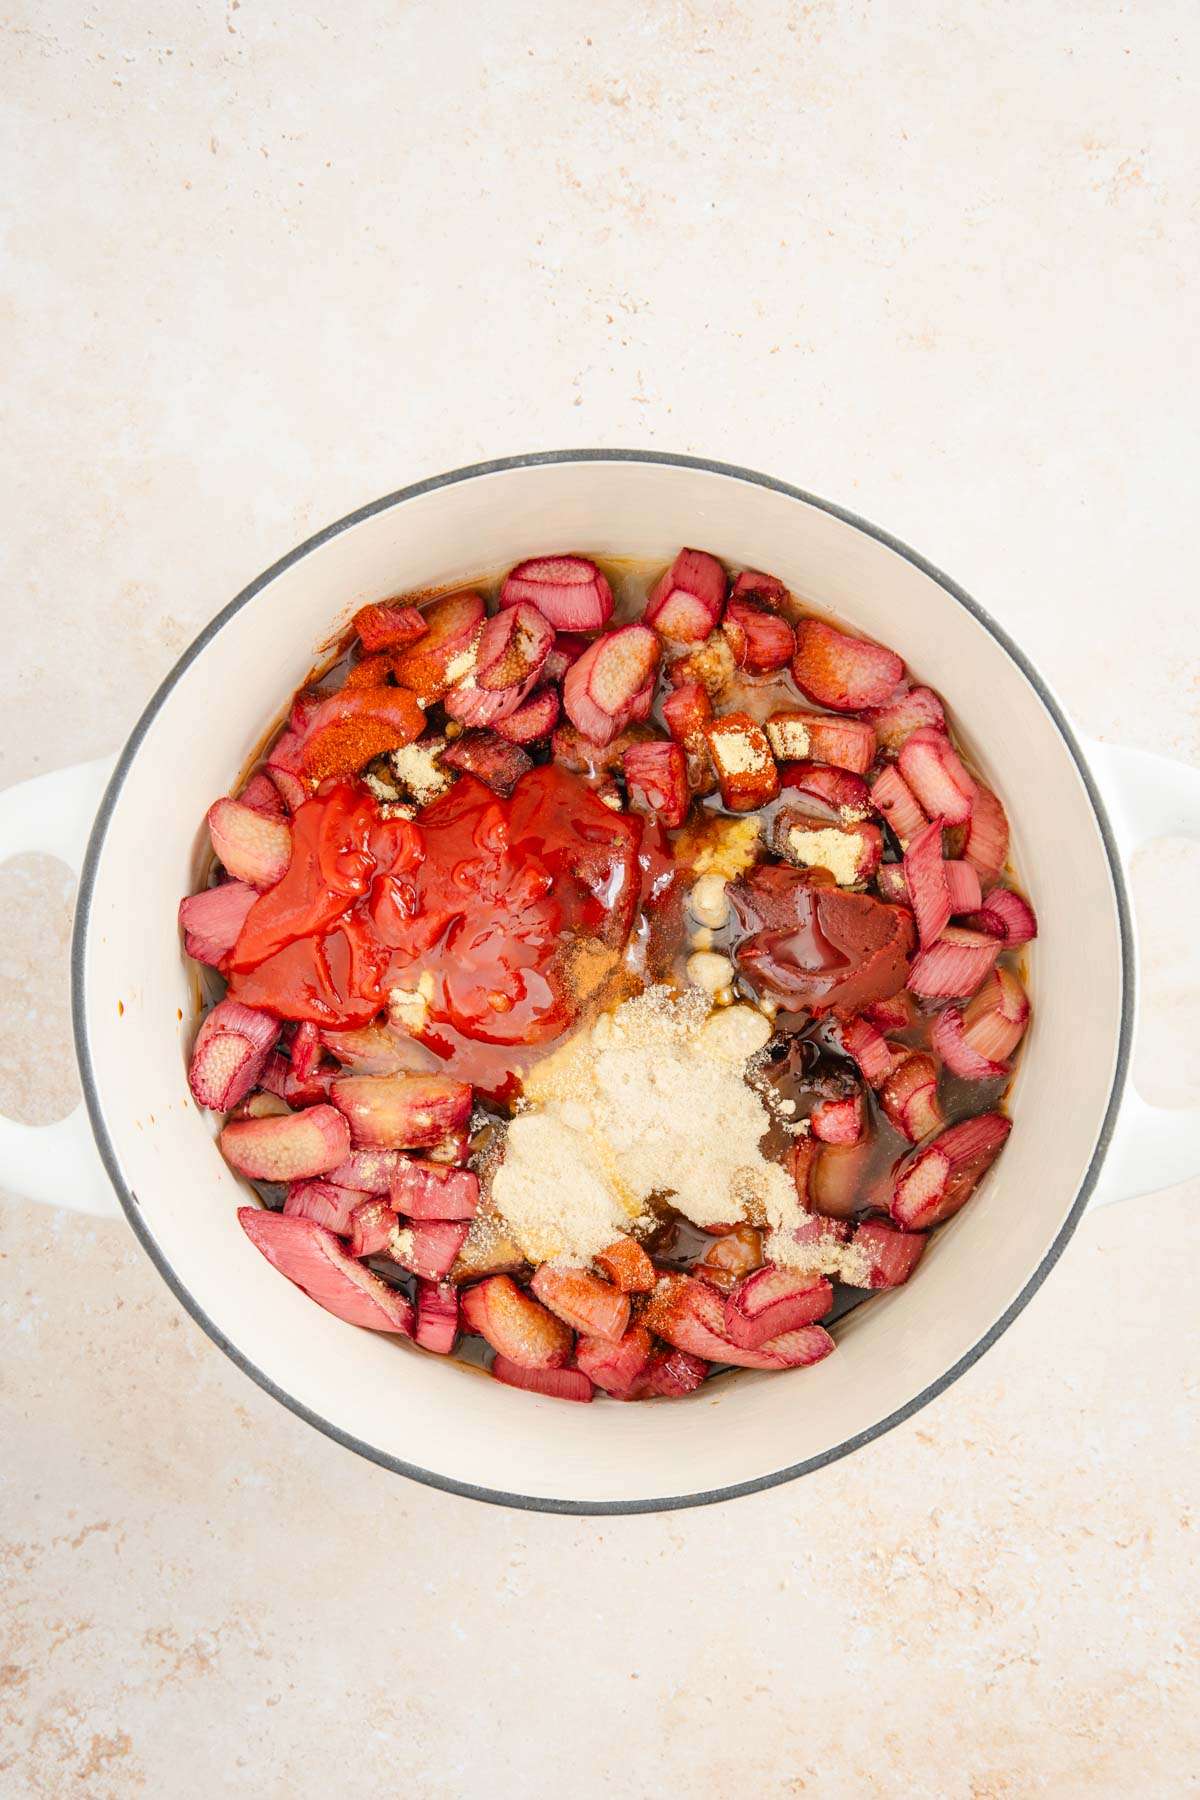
{"x":516,"y":1325}
{"x":513,"y":646}
{"x":601,"y":690}
{"x":618,"y":1365}
{"x":835,"y":1184}
{"x":841,"y":672}
{"x":838,"y":1121}
{"x":851,"y":853}
{"x":386,"y":626}
{"x":893,"y":1254}
{"x":305,"y":1049}
{"x":737,"y":1252}
{"x":446,"y":652}
{"x":768,"y":590}
{"x":963,"y":883}
{"x":230,"y":1054}
{"x":953,"y":966}
{"x":899,"y":1013}
{"x":691,"y":1315}
{"x":325,"y":1203}
{"x":685,"y":603}
{"x":371,"y":1226}
{"x":928,"y":889}
{"x":818,"y":1238}
{"x":772,"y":1301}
{"x":378,"y":1050}
{"x":569,"y":591}
{"x":567,"y":648}
{"x":289,"y":1148}
{"x":656,"y":776}
{"x":536,"y":718}
{"x":931,"y":766}
{"x":211,"y":921}
{"x":671,"y":1374}
{"x":286,"y":769}
{"x":892,"y":796}
{"x":314,"y":1259}
{"x":932,"y":1183}
{"x":860,"y":1039}
{"x":261,"y":1105}
{"x":843,"y":793}
{"x":498,"y":764}
{"x":995,"y":1020}
{"x":584,"y":1301}
{"x":760,"y":641}
{"x":985,"y":845}
{"x":909,"y":1097}
{"x":627,"y":1266}
{"x":369,"y":1171}
{"x":742,"y":758}
{"x":261,"y":795}
{"x":712,"y":665}
{"x":437,"y":1316}
{"x":686,"y":711}
{"x":911,"y":711}
{"x":556,"y":1384}
{"x":429,"y":1248}
{"x":434,"y":1191}
{"x":454,"y":1148}
{"x":252,"y":846}
{"x":1005,"y":915}
{"x":357,"y":724}
{"x":889,"y":879}
{"x":798,"y":1160}
{"x":402,"y":1112}
{"x":958,"y":1056}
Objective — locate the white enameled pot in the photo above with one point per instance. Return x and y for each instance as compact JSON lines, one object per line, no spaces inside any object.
{"x":135,"y":999}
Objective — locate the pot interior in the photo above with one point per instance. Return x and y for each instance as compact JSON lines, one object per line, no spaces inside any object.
{"x":440,"y":1418}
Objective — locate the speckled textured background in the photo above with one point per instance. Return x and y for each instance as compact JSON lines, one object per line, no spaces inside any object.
{"x":261,"y":264}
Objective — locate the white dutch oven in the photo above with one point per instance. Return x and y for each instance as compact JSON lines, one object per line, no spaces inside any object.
{"x":134,"y":1001}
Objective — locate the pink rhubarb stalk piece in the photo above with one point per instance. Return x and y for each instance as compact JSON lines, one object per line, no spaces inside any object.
{"x":1005,"y":915}
{"x":567,"y":648}
{"x":894,"y":1254}
{"x":925,"y":876}
{"x":252,"y":846}
{"x":367,"y":1171}
{"x":534,"y":719}
{"x":911,"y":711}
{"x":402,"y":1112}
{"x":986,"y":842}
{"x":212,"y":921}
{"x":230,"y":1054}
{"x":892,"y":796}
{"x":429,"y":1248}
{"x":685,"y":603}
{"x":946,"y":1036}
{"x":372,"y":1223}
{"x":670,"y":1374}
{"x":932,"y":1183}
{"x":617,"y":1365}
{"x":844,"y":793}
{"x":499,"y":765}
{"x":325,"y":1203}
{"x":868,"y":1047}
{"x":516,"y":1325}
{"x":604,"y":687}
{"x":963,"y":882}
{"x":453,"y":629}
{"x":899,"y":1013}
{"x":743,"y":761}
{"x":768,"y":590}
{"x":995,"y":1020}
{"x":691,"y":1315}
{"x":288,"y":1148}
{"x":931,"y":766}
{"x":378,"y":1050}
{"x":760,"y":641}
{"x":385,"y":625}
{"x":838,"y":1121}
{"x":261,"y":795}
{"x":954,"y":965}
{"x":909,"y":1097}
{"x":314,"y":1259}
{"x":556,"y":1384}
{"x":656,"y":776}
{"x":437,"y":1316}
{"x":285,"y":766}
{"x":569,"y":591}
{"x":434,"y":1190}
{"x":772,"y":1301}
{"x":512,"y":648}
{"x":583,"y":1301}
{"x":841,"y":672}
{"x":893,"y":888}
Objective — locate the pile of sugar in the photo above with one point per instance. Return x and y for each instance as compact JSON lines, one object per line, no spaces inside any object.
{"x":645,"y":1104}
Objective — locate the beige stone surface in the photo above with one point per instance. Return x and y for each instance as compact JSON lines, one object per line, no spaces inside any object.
{"x":261,"y":264}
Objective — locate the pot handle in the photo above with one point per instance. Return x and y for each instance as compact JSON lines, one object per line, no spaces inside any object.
{"x":56,"y":1163}
{"x":1147,"y":797}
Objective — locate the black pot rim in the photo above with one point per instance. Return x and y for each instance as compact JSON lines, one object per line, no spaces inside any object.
{"x":108,"y":1155}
